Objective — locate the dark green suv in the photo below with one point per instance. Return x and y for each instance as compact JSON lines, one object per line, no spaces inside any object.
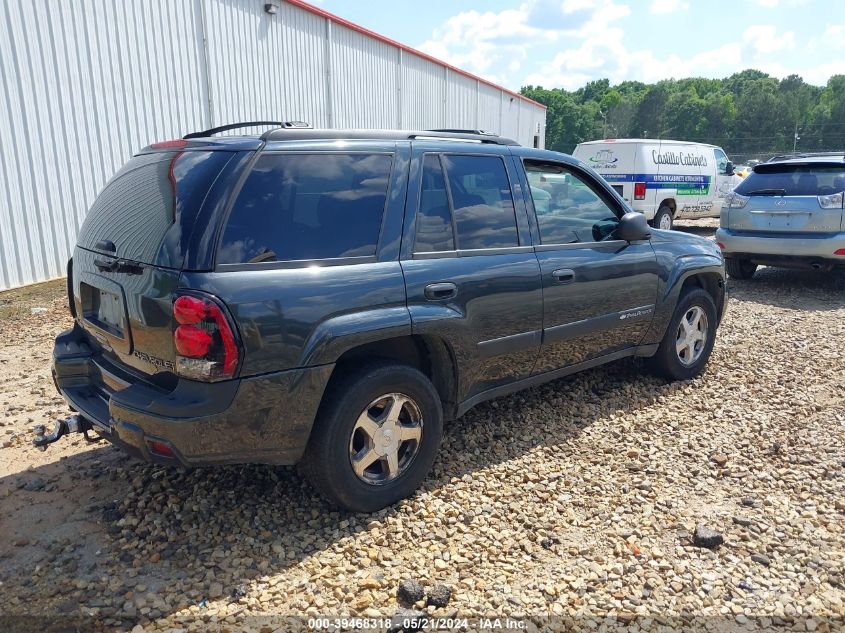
{"x":331,"y":296}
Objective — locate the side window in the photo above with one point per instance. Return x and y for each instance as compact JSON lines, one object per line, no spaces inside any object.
{"x":434,"y":218}
{"x":482,"y":201}
{"x":721,"y":161}
{"x":568,"y":208}
{"x":308,"y":206}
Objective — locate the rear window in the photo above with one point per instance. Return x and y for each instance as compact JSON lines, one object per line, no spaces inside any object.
{"x":308,"y":206}
{"x":794,"y":180}
{"x":148,"y":208}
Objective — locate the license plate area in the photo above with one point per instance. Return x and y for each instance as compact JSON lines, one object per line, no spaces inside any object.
{"x":103,"y":312}
{"x":103,"y":309}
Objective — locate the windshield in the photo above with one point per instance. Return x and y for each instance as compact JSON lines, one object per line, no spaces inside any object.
{"x":794,"y":180}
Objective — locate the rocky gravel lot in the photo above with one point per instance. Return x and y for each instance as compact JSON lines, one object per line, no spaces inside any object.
{"x":584,"y":503}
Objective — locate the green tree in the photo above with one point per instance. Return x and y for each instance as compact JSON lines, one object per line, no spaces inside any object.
{"x":748,"y":113}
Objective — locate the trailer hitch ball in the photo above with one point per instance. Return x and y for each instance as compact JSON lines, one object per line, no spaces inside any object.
{"x":71,"y":424}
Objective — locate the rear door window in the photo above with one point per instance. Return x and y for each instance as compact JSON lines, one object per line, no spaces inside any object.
{"x":308,"y":206}
{"x":434,"y":231}
{"x":482,"y":202}
{"x":794,"y":180}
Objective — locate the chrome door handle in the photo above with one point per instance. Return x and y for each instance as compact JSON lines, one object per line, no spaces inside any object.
{"x":564,"y":275}
{"x":439,"y":291}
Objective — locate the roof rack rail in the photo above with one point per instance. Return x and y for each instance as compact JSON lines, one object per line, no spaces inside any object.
{"x":387,"y":135}
{"x":462,"y":131}
{"x":461,"y":136}
{"x":235,"y":126}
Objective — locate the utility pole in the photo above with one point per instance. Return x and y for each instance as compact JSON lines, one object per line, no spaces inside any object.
{"x":795,"y":138}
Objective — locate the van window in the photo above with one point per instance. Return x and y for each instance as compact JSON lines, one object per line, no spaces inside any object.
{"x":308,"y":206}
{"x":793,"y":180}
{"x":434,"y":219}
{"x":721,"y":161}
{"x":568,"y":208}
{"x":482,"y":201}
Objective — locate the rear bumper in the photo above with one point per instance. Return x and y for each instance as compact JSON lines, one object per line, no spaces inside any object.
{"x":757,"y":246}
{"x":261,"y":419}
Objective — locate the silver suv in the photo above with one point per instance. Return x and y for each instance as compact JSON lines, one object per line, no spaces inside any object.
{"x":789,"y":213}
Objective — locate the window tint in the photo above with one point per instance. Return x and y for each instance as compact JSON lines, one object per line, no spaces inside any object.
{"x":148,"y":208}
{"x":434,"y":219}
{"x":482,"y":201}
{"x":794,"y":180}
{"x":308,"y":206}
{"x":568,"y":209}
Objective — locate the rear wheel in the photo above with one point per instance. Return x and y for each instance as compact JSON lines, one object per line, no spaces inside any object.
{"x":663,"y":218}
{"x":740,"y":268}
{"x":688,"y":342}
{"x":375,"y":438}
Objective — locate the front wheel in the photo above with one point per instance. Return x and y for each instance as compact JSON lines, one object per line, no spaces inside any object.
{"x":688,"y":342}
{"x":740,"y":268}
{"x":375,"y":437}
{"x":663,"y":218}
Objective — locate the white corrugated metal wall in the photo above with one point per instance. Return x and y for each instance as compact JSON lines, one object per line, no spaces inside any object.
{"x":84,"y":85}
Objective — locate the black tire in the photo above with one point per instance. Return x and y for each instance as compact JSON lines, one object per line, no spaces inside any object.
{"x":740,"y":268}
{"x":666,"y":362}
{"x":664,"y":214}
{"x":327,"y":463}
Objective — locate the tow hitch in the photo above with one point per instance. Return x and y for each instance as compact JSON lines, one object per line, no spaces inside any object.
{"x":72,"y":424}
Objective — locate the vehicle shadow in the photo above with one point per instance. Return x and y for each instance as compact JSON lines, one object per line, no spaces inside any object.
{"x":792,"y":289}
{"x":221,"y":533}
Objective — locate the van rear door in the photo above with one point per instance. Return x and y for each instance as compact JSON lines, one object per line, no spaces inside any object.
{"x":131,"y":250}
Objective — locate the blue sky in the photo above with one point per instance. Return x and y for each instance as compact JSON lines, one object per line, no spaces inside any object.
{"x":565,"y":43}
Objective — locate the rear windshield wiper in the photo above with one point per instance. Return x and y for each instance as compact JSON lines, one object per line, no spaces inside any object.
{"x":768,"y":192}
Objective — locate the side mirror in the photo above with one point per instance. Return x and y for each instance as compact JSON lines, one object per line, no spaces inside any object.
{"x":729,"y":169}
{"x":633,"y":227}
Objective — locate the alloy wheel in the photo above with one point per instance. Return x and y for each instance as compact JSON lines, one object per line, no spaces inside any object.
{"x":386,"y":438}
{"x":691,"y":336}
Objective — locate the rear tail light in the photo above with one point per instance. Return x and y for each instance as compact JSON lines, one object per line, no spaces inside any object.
{"x":833,"y":201}
{"x":840,"y":251}
{"x":639,"y":191}
{"x":735,"y":201}
{"x":204,"y":338}
{"x":720,"y":245}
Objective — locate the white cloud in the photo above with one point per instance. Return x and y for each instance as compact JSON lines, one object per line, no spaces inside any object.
{"x":768,"y":4}
{"x":668,"y":6}
{"x":764,"y":39}
{"x":487,"y":43}
{"x":566,"y":43}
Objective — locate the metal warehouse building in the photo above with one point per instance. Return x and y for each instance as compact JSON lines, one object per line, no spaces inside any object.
{"x":85,"y":84}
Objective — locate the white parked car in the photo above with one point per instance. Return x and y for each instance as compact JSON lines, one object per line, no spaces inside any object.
{"x":665,"y":180}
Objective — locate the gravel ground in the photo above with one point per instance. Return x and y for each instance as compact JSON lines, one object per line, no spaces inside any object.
{"x":574,"y":504}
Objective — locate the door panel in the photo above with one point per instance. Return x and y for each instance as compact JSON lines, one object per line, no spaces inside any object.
{"x":486,"y":303}
{"x":598,"y":292}
{"x":606,"y":306}
{"x":493,"y":322}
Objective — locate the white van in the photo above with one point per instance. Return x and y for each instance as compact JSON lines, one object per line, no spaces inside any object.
{"x":665,"y":180}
